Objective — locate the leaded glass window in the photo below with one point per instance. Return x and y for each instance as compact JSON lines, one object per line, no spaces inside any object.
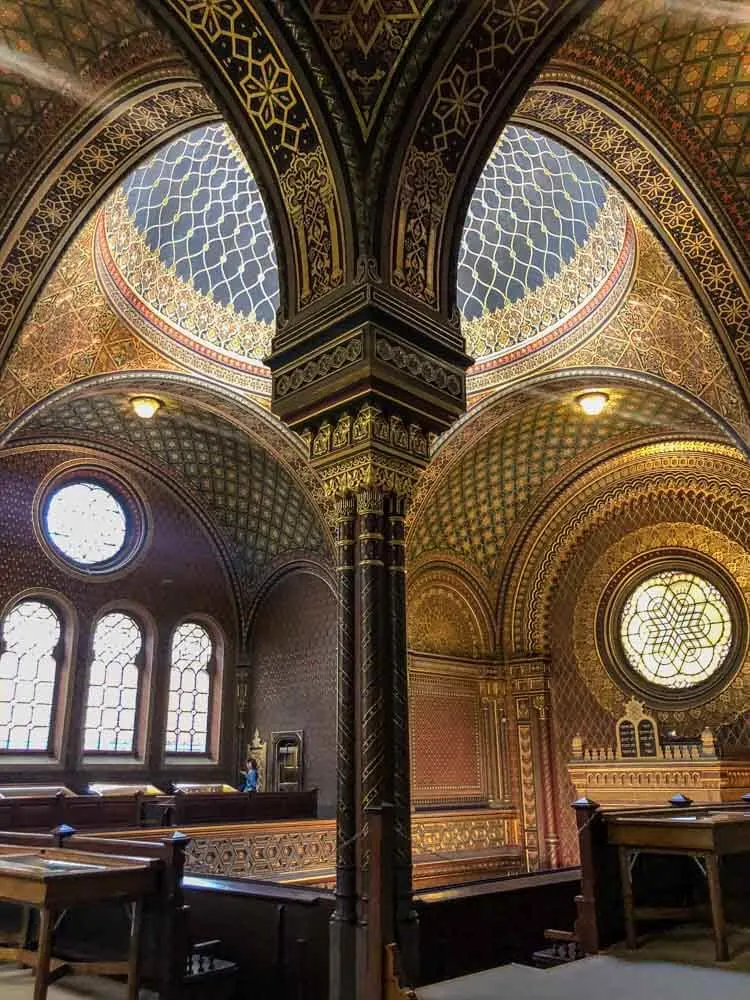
{"x":86,"y":523}
{"x":189,"y":689}
{"x":28,"y":673}
{"x":676,"y":629}
{"x":113,"y":685}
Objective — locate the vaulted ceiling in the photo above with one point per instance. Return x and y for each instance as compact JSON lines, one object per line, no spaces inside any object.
{"x":492,"y":472}
{"x":246,"y":473}
{"x":366,"y":126}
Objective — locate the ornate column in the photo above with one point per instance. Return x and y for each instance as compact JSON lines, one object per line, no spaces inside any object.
{"x":530,"y":690}
{"x":492,"y":693}
{"x":343,"y":922}
{"x":367,"y":382}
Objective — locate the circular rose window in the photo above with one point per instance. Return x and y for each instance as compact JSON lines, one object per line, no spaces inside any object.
{"x":676,"y":629}
{"x":86,"y":522}
{"x":672,"y":628}
{"x":89,"y":521}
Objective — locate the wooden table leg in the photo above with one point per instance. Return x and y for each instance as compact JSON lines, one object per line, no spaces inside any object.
{"x":626,"y":880}
{"x":717,"y":908}
{"x":46,"y":928}
{"x":134,"y":956}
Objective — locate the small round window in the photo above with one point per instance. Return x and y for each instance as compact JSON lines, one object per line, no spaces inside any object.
{"x":676,"y":629}
{"x":86,"y":522}
{"x":89,"y":520}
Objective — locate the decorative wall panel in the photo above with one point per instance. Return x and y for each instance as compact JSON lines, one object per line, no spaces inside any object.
{"x":293,"y":675}
{"x":445,"y":732}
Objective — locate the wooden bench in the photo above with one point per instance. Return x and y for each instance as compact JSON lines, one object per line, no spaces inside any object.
{"x":172,"y":963}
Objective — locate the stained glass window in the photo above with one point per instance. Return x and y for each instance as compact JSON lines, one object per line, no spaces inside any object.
{"x":189,"y":689}
{"x":113,"y":685}
{"x":86,"y":523}
{"x":676,"y":629}
{"x":28,"y":671}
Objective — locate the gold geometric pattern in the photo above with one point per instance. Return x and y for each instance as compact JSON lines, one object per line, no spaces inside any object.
{"x":661,"y":329}
{"x":697,"y":59}
{"x":503,"y":473}
{"x":243,"y":52}
{"x":71,"y":333}
{"x":652,"y":183}
{"x":367,"y":39}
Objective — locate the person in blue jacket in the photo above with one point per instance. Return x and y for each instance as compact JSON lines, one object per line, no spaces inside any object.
{"x":251,"y":776}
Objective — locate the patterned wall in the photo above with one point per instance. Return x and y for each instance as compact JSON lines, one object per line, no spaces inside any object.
{"x":293,"y":675}
{"x":445,"y":733}
{"x":252,"y":497}
{"x":181,"y":571}
{"x":448,"y":614}
{"x":691,"y":496}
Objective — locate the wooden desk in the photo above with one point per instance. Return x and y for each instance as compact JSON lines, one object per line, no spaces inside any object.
{"x":53,"y":880}
{"x":706,"y":837}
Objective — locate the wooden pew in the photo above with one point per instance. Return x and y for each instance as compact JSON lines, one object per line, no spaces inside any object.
{"x":92,"y":812}
{"x":173,"y":964}
{"x":197,"y":808}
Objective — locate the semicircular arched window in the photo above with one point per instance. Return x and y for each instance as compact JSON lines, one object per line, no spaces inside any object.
{"x":191,"y":661}
{"x":29,"y":664}
{"x":114,"y":676}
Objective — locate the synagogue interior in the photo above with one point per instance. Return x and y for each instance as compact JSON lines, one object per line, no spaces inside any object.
{"x":374,"y":498}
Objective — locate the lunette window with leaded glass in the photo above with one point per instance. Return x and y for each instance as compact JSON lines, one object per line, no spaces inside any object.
{"x":191,"y":660}
{"x":31,"y":632}
{"x":114,"y":679}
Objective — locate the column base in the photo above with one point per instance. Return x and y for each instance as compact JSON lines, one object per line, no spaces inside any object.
{"x":342,"y":939}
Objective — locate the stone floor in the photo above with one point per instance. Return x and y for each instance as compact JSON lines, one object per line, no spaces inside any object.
{"x":678,"y":965}
{"x":600,"y":976}
{"x":18,"y":984}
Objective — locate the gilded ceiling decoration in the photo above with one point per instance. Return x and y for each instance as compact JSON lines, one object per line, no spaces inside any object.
{"x":366,"y":40}
{"x":250,"y":62}
{"x":186,"y":243}
{"x":638,"y":485}
{"x":473,"y":85}
{"x":546,"y":241}
{"x":257,"y":502}
{"x":62,"y":52}
{"x":448,"y":614}
{"x":503,"y":472}
{"x":67,"y":195}
{"x":655,"y":189}
{"x":70,"y":333}
{"x":661,"y":329}
{"x":686,"y":69}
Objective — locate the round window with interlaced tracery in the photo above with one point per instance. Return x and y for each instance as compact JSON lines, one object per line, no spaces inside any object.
{"x":676,"y":629}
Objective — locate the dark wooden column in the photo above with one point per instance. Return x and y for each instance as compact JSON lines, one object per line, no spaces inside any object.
{"x":343,"y":922}
{"x":366,"y":383}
